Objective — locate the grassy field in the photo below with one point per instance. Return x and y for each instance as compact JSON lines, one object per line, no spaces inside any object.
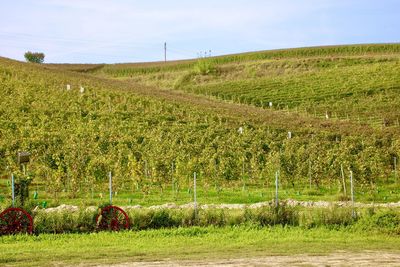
{"x":234,"y":194}
{"x":195,"y":243}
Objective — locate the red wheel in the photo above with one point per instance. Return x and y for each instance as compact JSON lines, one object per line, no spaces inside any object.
{"x":14,"y":221}
{"x":112,"y":218}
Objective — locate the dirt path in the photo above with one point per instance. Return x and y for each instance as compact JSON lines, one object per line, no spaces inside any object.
{"x":366,"y":258}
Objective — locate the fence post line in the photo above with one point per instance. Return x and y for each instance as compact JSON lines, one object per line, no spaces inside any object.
{"x":194,"y":193}
{"x":110,"y":186}
{"x":12,"y":190}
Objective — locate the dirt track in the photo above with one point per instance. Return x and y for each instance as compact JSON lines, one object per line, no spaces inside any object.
{"x":366,"y":258}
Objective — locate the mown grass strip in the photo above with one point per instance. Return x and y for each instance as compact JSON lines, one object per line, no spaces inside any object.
{"x":190,"y":243}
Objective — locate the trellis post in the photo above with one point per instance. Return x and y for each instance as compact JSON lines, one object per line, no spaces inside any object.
{"x":12,"y":190}
{"x":110,"y":186}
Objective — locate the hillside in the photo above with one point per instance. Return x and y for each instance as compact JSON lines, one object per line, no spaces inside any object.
{"x":352,"y":83}
{"x":154,"y":124}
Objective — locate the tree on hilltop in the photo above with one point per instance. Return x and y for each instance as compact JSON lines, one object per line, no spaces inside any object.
{"x":34,"y":57}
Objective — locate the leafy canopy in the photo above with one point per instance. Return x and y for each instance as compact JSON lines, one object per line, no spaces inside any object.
{"x":34,"y":57}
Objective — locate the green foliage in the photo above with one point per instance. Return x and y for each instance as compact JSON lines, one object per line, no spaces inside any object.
{"x":379,"y":220}
{"x":205,"y":67}
{"x":356,"y":83}
{"x":282,"y":215}
{"x":34,"y":57}
{"x":64,"y":222}
{"x":332,"y":217}
{"x":387,"y":221}
{"x":155,"y":142}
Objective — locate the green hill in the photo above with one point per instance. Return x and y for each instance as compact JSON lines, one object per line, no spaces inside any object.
{"x":356,"y":83}
{"x":154,"y":124}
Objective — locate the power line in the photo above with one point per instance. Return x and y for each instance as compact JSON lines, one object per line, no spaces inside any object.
{"x":66,"y":40}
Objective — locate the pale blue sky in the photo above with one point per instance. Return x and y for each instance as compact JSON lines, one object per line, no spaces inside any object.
{"x":94,"y":31}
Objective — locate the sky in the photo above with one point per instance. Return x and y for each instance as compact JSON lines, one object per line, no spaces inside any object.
{"x":115,"y":31}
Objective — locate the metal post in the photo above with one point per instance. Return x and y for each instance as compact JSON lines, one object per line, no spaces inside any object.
{"x":194,"y":193}
{"x":110,"y":180}
{"x":276,"y":189}
{"x":12,"y":190}
{"x":395,"y":169}
{"x":309,"y":172}
{"x":172,"y":177}
{"x":352,"y":193}
{"x":343,"y":180}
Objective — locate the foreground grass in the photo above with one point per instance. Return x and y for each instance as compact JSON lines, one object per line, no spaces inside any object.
{"x":185,"y":243}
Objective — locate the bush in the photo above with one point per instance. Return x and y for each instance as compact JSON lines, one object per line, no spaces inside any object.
{"x":204,"y":67}
{"x":386,"y":221}
{"x":333,"y":217}
{"x":215,"y":217}
{"x":34,"y":57}
{"x":270,"y":215}
{"x":64,"y":222}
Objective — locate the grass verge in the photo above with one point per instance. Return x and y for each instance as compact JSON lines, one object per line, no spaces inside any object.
{"x":186,"y":243}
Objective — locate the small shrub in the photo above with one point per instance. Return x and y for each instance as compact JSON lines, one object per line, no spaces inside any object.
{"x":214,"y":217}
{"x":235,"y":217}
{"x":271,"y":215}
{"x":205,"y":67}
{"x":382,"y":221}
{"x":162,"y":219}
{"x":329,"y":217}
{"x":64,"y":222}
{"x":139,"y":219}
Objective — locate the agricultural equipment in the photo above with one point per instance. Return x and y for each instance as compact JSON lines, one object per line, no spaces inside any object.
{"x":16,"y":220}
{"x":111,"y":217}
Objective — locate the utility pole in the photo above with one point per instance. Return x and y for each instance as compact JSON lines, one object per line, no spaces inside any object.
{"x":165,"y":52}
